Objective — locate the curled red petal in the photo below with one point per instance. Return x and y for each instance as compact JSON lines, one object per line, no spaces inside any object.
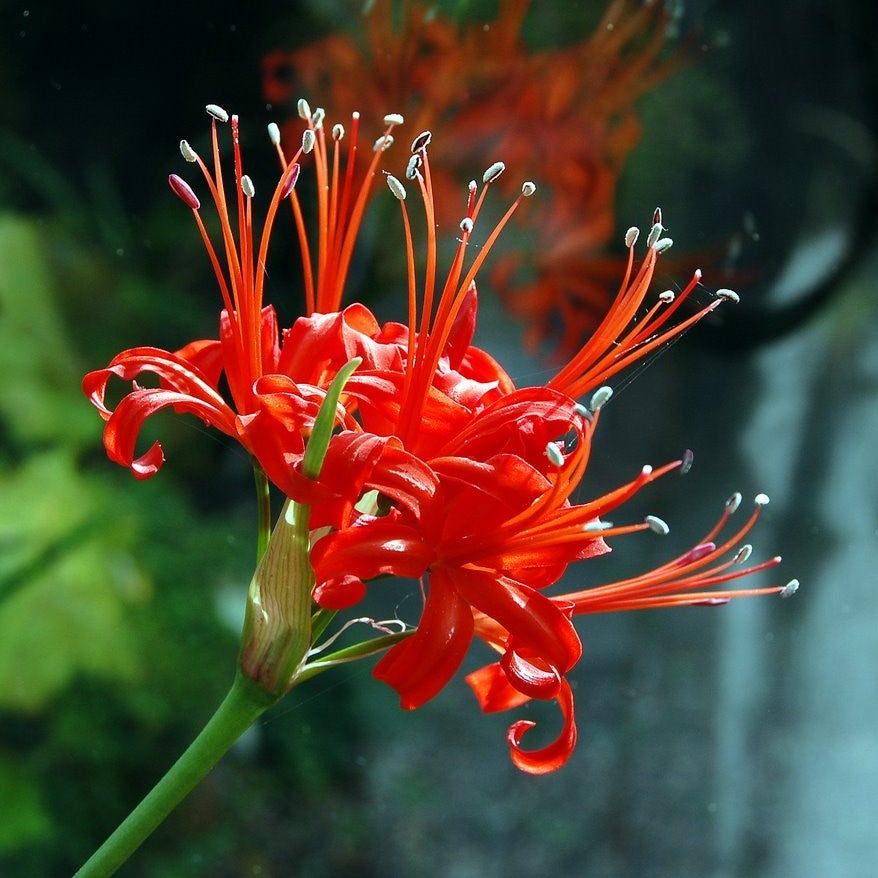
{"x":533,"y":620}
{"x":493,"y":690}
{"x":533,"y":679}
{"x":553,"y":756}
{"x":419,"y":667}
{"x":124,"y":424}
{"x":340,"y":593}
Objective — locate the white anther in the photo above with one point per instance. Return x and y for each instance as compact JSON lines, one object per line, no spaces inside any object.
{"x":247,"y":186}
{"x":598,"y":525}
{"x":654,"y":234}
{"x":631,"y":236}
{"x":657,"y":525}
{"x":217,"y":112}
{"x":304,"y":109}
{"x":553,"y":452}
{"x":383,"y":143}
{"x":317,"y":117}
{"x":646,"y":470}
{"x":493,"y":172}
{"x":308,"y":139}
{"x":273,"y":133}
{"x":528,"y":188}
{"x":600,"y":398}
{"x":396,"y":187}
{"x":731,"y":295}
{"x":663,"y":244}
{"x":393,"y":119}
{"x":743,"y":554}
{"x":187,"y":152}
{"x":789,"y":589}
{"x":688,"y":460}
{"x":466,"y":225}
{"x":733,"y":503}
{"x":411,"y":169}
{"x":667,"y":296}
{"x":657,"y":217}
{"x":337,"y":132}
{"x":422,"y":141}
{"x":761,"y":500}
{"x":582,"y":411}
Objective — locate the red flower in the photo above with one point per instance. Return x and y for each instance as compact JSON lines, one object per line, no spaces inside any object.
{"x":442,"y":471}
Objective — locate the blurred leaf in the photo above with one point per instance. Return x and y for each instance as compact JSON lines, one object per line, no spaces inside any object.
{"x":28,"y":821}
{"x":64,"y":591}
{"x":38,"y":369}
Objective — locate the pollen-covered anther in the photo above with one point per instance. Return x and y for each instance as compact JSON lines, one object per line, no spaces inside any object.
{"x":217,"y":112}
{"x":337,"y":132}
{"x":493,"y":172}
{"x":187,"y":152}
{"x":582,"y":411}
{"x":657,"y":525}
{"x":274,"y":133}
{"x":413,"y":167}
{"x":743,"y":554}
{"x":247,"y":186}
{"x":303,"y":108}
{"x":631,"y":236}
{"x":789,"y":589}
{"x":553,"y":452}
{"x":528,"y":188}
{"x":730,"y":295}
{"x":396,"y":187}
{"x":733,"y":503}
{"x":654,"y":234}
{"x":317,"y":117}
{"x":600,"y":398}
{"x":597,"y":525}
{"x":422,"y":141}
{"x":663,"y":244}
{"x":761,"y":500}
{"x":394,"y":119}
{"x":308,"y":139}
{"x":383,"y":143}
{"x":688,"y":460}
{"x":184,"y":191}
{"x":667,"y":296}
{"x":466,"y":225}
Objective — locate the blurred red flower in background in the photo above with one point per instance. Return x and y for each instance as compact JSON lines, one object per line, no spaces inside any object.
{"x":567,"y":116}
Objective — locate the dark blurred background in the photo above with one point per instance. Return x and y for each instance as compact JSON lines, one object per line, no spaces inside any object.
{"x":738,"y":741}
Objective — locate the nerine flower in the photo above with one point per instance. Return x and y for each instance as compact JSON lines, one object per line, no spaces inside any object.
{"x":441,"y":469}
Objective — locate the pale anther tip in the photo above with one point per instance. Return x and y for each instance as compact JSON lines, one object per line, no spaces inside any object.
{"x":631,"y":236}
{"x":667,"y":296}
{"x":304,"y":109}
{"x":396,"y":187}
{"x":663,"y":244}
{"x":383,"y":143}
{"x":528,"y":188}
{"x":733,"y":502}
{"x":731,"y":295}
{"x":394,"y":119}
{"x":308,"y":139}
{"x":187,"y":152}
{"x":493,"y":172}
{"x":761,"y":500}
{"x":553,"y":452}
{"x":273,"y":133}
{"x":422,"y":141}
{"x":247,"y":186}
{"x":600,"y":398}
{"x":657,"y":525}
{"x":217,"y":112}
{"x":337,"y":131}
{"x":789,"y":589}
{"x":466,"y":225}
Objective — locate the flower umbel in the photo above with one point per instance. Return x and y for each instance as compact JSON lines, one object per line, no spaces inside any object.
{"x":440,"y":469}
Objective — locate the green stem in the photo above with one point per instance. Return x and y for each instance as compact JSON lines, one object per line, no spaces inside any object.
{"x":241,"y":707}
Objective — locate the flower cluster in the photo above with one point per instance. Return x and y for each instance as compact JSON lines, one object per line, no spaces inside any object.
{"x":568,"y":113}
{"x":440,"y":469}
